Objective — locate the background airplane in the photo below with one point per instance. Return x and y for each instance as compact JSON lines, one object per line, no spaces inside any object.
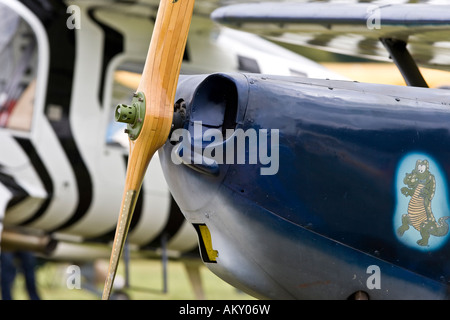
{"x":65,"y":66}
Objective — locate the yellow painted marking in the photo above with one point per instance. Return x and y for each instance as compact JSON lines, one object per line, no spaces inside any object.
{"x":206,"y":236}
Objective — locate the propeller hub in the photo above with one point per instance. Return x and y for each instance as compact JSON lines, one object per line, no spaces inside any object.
{"x":132,"y":114}
{"x":125,"y":113}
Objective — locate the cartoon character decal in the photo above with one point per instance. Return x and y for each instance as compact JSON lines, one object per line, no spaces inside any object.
{"x":420,"y":186}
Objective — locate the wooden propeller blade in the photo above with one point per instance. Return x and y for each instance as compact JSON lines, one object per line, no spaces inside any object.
{"x":158,"y":83}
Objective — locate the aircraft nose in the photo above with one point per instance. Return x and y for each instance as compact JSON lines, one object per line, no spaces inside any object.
{"x":207,"y":108}
{"x":205,"y":116}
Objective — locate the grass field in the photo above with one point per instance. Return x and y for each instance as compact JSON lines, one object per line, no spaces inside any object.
{"x":145,"y":283}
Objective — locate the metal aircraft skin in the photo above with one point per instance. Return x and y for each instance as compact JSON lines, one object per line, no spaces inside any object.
{"x":65,"y":67}
{"x":341,"y":188}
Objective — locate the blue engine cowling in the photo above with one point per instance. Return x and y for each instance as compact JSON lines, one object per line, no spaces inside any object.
{"x":314,"y":206}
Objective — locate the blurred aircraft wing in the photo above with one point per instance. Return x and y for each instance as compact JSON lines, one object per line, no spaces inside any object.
{"x":354,"y":29}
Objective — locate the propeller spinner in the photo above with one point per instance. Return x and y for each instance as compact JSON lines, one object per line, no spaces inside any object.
{"x":150,"y":116}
